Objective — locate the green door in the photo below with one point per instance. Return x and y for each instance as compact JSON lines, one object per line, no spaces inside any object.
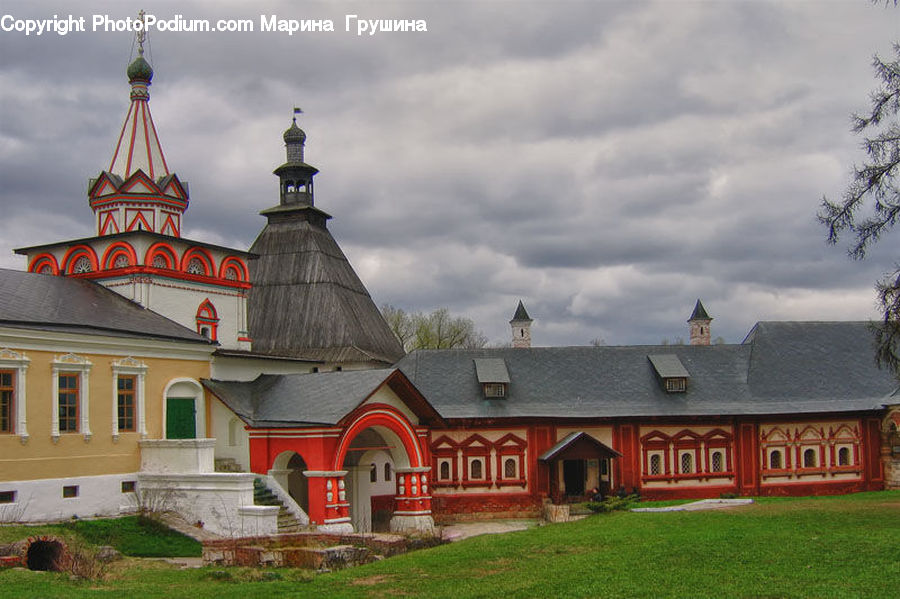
{"x":180,"y":418}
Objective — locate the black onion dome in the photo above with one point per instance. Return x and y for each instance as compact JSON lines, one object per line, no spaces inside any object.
{"x":294,"y":134}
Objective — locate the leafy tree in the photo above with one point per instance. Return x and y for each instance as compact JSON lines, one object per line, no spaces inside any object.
{"x":400,"y":323}
{"x":875,"y":182}
{"x":437,"y":330}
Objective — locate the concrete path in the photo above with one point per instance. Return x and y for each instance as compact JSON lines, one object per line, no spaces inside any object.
{"x":704,"y":504}
{"x":464,"y":530}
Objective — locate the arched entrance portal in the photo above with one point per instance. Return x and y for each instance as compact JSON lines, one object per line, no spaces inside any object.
{"x":386,"y":485}
{"x":288,"y":471}
{"x":371,"y":465}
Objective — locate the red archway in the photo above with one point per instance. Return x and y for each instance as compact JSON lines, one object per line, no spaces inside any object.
{"x":381,"y":415}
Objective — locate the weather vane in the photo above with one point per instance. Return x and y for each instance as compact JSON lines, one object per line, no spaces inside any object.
{"x":296,"y":112}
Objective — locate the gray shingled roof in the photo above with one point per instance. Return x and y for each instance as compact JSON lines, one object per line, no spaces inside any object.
{"x":304,"y":399}
{"x":52,"y":302}
{"x":579,"y":436}
{"x":307,"y":300}
{"x":815,"y":361}
{"x":668,"y":366}
{"x":273,"y":400}
{"x":782,"y":368}
{"x":491,"y":370}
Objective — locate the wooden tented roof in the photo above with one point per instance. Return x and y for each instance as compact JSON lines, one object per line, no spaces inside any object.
{"x":307,"y":301}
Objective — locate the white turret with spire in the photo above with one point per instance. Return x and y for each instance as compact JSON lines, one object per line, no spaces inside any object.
{"x":521,"y":327}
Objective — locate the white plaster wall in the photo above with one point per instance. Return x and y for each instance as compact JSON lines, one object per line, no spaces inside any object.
{"x":179,"y":300}
{"x":38,"y":500}
{"x":601,"y":433}
{"x":177,"y":456}
{"x":223,"y":502}
{"x":386,"y":396}
{"x":361,"y":489}
{"x":230,"y":368}
{"x":489,"y":486}
{"x":380,"y":486}
{"x":790,"y":449}
{"x":235,"y":446}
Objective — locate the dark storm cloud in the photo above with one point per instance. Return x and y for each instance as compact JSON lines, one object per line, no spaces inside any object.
{"x":607,"y":162}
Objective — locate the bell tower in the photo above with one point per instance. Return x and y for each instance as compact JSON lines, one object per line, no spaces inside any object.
{"x":295,"y":176}
{"x":306,"y":299}
{"x":138,"y":192}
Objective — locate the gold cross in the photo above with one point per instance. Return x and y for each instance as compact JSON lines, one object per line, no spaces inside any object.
{"x":142,"y":34}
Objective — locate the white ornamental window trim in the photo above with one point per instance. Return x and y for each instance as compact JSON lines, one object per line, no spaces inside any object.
{"x":131,"y":367}
{"x":72,"y":363}
{"x":13,"y":360}
{"x":82,"y":264}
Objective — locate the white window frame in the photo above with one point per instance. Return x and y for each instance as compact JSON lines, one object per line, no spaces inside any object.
{"x":472,"y":461}
{"x":129,"y":367}
{"x":13,"y":360}
{"x":804,"y":451}
{"x":712,"y":460}
{"x":72,"y":363}
{"x":440,"y":463}
{"x":837,"y":455}
{"x":781,"y":453}
{"x":661,"y":470}
{"x":504,"y":460}
{"x":690,"y":455}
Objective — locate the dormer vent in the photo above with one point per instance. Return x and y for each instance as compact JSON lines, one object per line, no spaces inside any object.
{"x":493,"y":377}
{"x":671,"y":372}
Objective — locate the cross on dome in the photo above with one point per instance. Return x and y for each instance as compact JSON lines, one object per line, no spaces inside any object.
{"x":138,"y":147}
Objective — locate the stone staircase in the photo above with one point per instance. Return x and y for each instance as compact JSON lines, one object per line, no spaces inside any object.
{"x":287,"y":522}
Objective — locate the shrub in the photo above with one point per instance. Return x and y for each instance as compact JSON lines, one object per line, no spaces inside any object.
{"x":612,"y":503}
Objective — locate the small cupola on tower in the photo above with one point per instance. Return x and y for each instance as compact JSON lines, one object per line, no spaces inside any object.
{"x":296,"y":177}
{"x":521,"y":327}
{"x":699,"y":323}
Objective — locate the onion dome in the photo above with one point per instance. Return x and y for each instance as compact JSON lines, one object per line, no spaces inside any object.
{"x":294,"y":134}
{"x":140,"y":70}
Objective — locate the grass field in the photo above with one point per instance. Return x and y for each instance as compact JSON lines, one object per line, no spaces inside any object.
{"x":814,"y":547}
{"x":132,"y":536}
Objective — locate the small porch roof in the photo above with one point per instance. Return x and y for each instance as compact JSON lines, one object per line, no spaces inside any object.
{"x":578,"y":446}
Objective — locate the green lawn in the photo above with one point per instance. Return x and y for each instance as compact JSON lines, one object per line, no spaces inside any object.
{"x":816,"y":547}
{"x":131,"y":535}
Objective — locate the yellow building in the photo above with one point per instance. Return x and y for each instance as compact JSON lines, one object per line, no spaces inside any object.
{"x":85,"y":376}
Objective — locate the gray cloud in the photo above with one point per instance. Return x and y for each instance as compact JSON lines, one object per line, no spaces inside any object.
{"x":606,"y":162}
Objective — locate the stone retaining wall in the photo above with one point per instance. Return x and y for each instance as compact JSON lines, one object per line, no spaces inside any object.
{"x":314,"y":550}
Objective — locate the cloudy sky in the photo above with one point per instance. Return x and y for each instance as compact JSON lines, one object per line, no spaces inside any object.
{"x":606,"y":162}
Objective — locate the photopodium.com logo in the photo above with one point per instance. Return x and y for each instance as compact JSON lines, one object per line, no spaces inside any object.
{"x":179,"y":24}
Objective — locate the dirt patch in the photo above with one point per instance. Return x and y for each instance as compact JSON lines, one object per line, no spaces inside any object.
{"x":369,"y":581}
